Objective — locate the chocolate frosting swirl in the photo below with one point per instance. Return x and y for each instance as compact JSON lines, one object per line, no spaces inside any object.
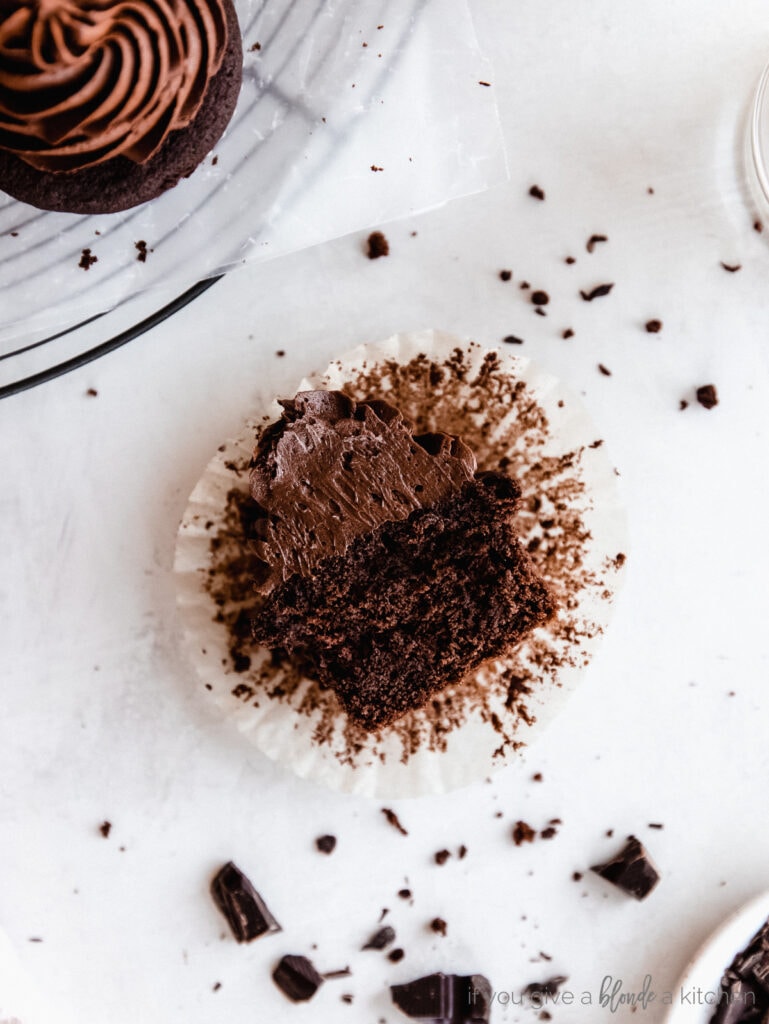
{"x":332,"y":469}
{"x":83,"y":81}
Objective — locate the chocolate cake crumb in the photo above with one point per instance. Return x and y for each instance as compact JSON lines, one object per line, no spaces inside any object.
{"x":707,"y":396}
{"x":536,"y":192}
{"x":142,"y":251}
{"x":731,"y":267}
{"x":405,"y":894}
{"x":105,"y":828}
{"x":604,"y":370}
{"x":548,"y":833}
{"x":393,"y":820}
{"x":346,"y":997}
{"x":87,"y":259}
{"x":377,"y":245}
{"x":439,"y":926}
{"x":395,"y":955}
{"x":653,"y":326}
{"x":505,"y":275}
{"x":523,"y":833}
{"x":683,"y":404}
{"x":374,"y":166}
{"x":593,"y":241}
{"x":537,"y":777}
{"x":570,"y":260}
{"x":568,"y":333}
{"x":326,"y":844}
{"x":280,"y":353}
{"x":296,"y":977}
{"x":462,"y":852}
{"x":255,"y":48}
{"x":524,"y":286}
{"x":540,"y":298}
{"x":442,"y":856}
{"x":380,"y":939}
{"x":597,"y":292}
{"x":512,"y":339}
{"x":539,"y":311}
{"x":92,"y":392}
{"x":576,"y":876}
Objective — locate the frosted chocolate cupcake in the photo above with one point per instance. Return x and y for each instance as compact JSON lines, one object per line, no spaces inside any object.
{"x":389,"y":568}
{"x":105,"y":104}
{"x":520,"y":517}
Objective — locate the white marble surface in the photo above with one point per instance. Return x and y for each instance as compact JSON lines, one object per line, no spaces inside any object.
{"x":101,"y":721}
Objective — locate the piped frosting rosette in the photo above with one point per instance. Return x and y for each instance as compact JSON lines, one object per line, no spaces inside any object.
{"x":83,"y":81}
{"x":513,"y":416}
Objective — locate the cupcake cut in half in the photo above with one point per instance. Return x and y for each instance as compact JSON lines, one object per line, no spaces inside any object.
{"x":389,"y":567}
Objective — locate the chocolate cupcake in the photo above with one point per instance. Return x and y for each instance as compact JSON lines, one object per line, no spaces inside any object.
{"x":419,"y":616}
{"x":106,"y":105}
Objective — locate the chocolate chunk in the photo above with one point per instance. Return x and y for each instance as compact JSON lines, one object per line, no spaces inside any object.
{"x":707,"y":396}
{"x":377,"y":245}
{"x":744,"y":994}
{"x":631,"y":870}
{"x":541,"y":990}
{"x":597,"y":292}
{"x":241,"y":904}
{"x":297,"y":978}
{"x":326,"y":844}
{"x":445,"y":999}
{"x":381,"y":938}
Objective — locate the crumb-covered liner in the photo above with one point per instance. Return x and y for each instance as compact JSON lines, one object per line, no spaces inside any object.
{"x":513,"y":415}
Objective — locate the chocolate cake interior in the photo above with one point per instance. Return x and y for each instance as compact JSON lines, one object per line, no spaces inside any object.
{"x":392,"y":575}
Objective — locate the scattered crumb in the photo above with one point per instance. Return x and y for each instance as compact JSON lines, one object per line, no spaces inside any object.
{"x":523,"y":833}
{"x":395,"y":955}
{"x":505,"y":275}
{"x":254,"y":48}
{"x":405,"y":894}
{"x":377,"y":245}
{"x":537,"y":777}
{"x":442,"y":856}
{"x":707,"y":396}
{"x":512,"y":339}
{"x":462,"y":852}
{"x":536,"y":192}
{"x":142,"y":251}
{"x":653,"y":326}
{"x":393,"y":820}
{"x":548,"y":833}
{"x":216,"y":986}
{"x":524,"y":285}
{"x":540,"y":298}
{"x":570,"y":260}
{"x":105,"y":828}
{"x":609,"y":833}
{"x":758,"y":226}
{"x":731,"y":267}
{"x":280,"y":353}
{"x":655,"y":824}
{"x":375,"y":168}
{"x":87,"y":259}
{"x":596,"y":444}
{"x":594,"y":240}
{"x":576,"y":876}
{"x":92,"y":392}
{"x":438,"y":925}
{"x":604,"y":370}
{"x":683,"y":404}
{"x":346,"y":997}
{"x":597,"y":292}
{"x":325,"y":844}
{"x":568,"y":333}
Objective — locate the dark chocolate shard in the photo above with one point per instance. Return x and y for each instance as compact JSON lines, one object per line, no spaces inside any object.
{"x":381,"y":938}
{"x":296,"y":977}
{"x":631,"y":870}
{"x":744,"y":993}
{"x":445,"y":999}
{"x":241,"y":904}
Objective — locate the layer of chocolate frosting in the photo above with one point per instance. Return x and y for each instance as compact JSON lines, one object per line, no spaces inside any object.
{"x":83,"y":81}
{"x":332,"y":469}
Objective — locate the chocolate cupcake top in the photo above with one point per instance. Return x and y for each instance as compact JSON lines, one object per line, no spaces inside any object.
{"x":332,"y":469}
{"x":83,"y":81}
